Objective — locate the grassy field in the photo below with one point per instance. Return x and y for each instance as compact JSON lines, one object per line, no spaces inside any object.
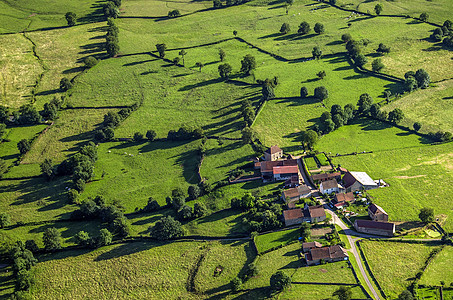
{"x":140,"y":270}
{"x":412,"y":174}
{"x":395,"y":264}
{"x":432,"y":108}
{"x":221,"y":223}
{"x":311,"y":163}
{"x":270,"y":240}
{"x":438,"y":269}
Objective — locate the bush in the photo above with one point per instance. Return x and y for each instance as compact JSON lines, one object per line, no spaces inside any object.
{"x":138,"y":137}
{"x":65,"y":84}
{"x":72,"y":196}
{"x":166,"y":228}
{"x":5,"y":219}
{"x":51,"y":239}
{"x":105,"y":238}
{"x":151,"y":135}
{"x":90,"y":62}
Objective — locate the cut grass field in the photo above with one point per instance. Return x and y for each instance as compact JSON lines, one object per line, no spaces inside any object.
{"x":395,"y":264}
{"x":432,"y":108}
{"x":413,"y":174}
{"x":439,"y":270}
{"x":141,"y":270}
{"x":268,"y":241}
{"x":311,"y":163}
{"x":221,"y":223}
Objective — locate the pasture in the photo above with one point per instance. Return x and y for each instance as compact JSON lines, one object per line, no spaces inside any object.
{"x":412,"y":174}
{"x":438,"y":269}
{"x":395,"y":264}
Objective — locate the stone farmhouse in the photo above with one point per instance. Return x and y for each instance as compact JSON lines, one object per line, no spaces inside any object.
{"x":326,"y":176}
{"x":315,"y":255}
{"x":297,"y":193}
{"x":375,"y":227}
{"x":357,"y":181}
{"x":376,"y":213}
{"x":273,"y":153}
{"x":330,"y":186}
{"x":310,"y":214}
{"x":341,"y":199}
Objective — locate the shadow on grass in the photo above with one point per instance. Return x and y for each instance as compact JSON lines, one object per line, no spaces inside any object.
{"x":126,"y":249}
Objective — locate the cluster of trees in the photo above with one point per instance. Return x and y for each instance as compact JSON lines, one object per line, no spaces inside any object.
{"x":441,"y":136}
{"x":261,"y":216}
{"x":444,"y":34}
{"x":111,"y":121}
{"x":71,"y":18}
{"x":111,"y":39}
{"x":320,"y":92}
{"x":267,"y":88}
{"x":248,"y":64}
{"x":97,"y":208}
{"x":415,"y":80}
{"x":24,"y":260}
{"x":248,"y":112}
{"x":186,"y":132}
{"x":304,"y":28}
{"x":337,"y":117}
{"x":112,"y":9}
{"x":219,"y":4}
{"x":174,"y":13}
{"x":166,"y":228}
{"x":248,"y":135}
{"x":367,"y":108}
{"x":354,"y":50}
{"x":177,"y":201}
{"x":84,"y":239}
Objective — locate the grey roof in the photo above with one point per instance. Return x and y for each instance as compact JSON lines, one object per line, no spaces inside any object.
{"x":376,"y":208}
{"x":363,"y":178}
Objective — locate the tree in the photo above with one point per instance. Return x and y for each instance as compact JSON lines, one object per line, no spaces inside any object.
{"x":333,"y":2}
{"x":166,"y":228}
{"x":378,"y":9}
{"x":285,"y":28}
{"x":112,"y":46}
{"x":138,"y":137}
{"x":217,"y":3}
{"x":90,"y":62}
{"x":304,"y":28}
{"x":303,"y":92}
{"x":224,"y":70}
{"x":185,"y":213}
{"x":396,"y":116}
{"x":23,"y":146}
{"x":343,"y":293}
{"x":151,"y":135}
{"x":71,"y":18}
{"x":65,"y":84}
{"x":194,"y":192}
{"x":222,"y":54}
{"x":321,"y":74}
{"x":161,"y":49}
{"x":47,"y":168}
{"x":174,"y":13}
{"x":353,"y":48}
{"x":51,"y":239}
{"x":424,"y":17}
{"x":50,"y":111}
{"x":360,"y":60}
{"x":152,"y":205}
{"x":426,"y":215}
{"x":417,"y":126}
{"x":364,"y":103}
{"x":82,"y":238}
{"x":267,"y":89}
{"x":280,"y":281}
{"x":423,"y":78}
{"x":383,"y":49}
{"x":31,"y":246}
{"x":377,"y":65}
{"x":248,"y":135}
{"x":105,"y":238}
{"x":316,"y":52}
{"x":111,"y":10}
{"x":236,"y":284}
{"x":235,"y":32}
{"x":319,"y":28}
{"x":309,"y":138}
{"x":305,"y":231}
{"x":5,"y":219}
{"x":321,"y":93}
{"x":410,"y":84}
{"x":348,"y":112}
{"x":183,"y":54}
{"x":346,"y":37}
{"x":199,"y":65}
{"x":248,"y":64}
{"x":199,"y":210}
{"x":176,"y":60}
{"x":405,"y":295}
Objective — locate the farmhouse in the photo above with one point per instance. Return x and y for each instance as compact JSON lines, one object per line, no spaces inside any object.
{"x":376,"y":213}
{"x":328,"y":254}
{"x":314,"y":213}
{"x":279,"y":170}
{"x":273,"y":153}
{"x":341,"y":199}
{"x":374,"y":227}
{"x":307,"y":246}
{"x":356,"y":181}
{"x":297,"y":193}
{"x":293,"y":216}
{"x":326,"y":176}
{"x":329,"y":186}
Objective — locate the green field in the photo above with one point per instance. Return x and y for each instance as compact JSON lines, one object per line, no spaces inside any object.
{"x":270,"y":240}
{"x":438,"y":269}
{"x":412,"y":174}
{"x":310,"y":162}
{"x":395,"y":264}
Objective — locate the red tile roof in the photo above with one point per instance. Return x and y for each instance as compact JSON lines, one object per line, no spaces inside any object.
{"x":316,"y":211}
{"x":342,"y":197}
{"x":285,"y":170}
{"x":293,"y":214}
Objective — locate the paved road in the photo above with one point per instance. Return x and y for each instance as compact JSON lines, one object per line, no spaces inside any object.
{"x":352,"y":239}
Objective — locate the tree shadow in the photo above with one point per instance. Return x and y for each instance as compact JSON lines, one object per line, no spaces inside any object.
{"x":49,"y":92}
{"x":127,"y":249}
{"x":334,"y":43}
{"x":74,"y":70}
{"x":297,"y":101}
{"x":135,"y":63}
{"x":272,"y":35}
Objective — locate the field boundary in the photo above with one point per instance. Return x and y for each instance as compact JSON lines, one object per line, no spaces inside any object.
{"x":368,"y":268}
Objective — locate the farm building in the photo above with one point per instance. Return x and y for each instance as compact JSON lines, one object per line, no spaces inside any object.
{"x":357,"y":181}
{"x":326,"y":176}
{"x":341,"y":199}
{"x":374,"y":227}
{"x":297,"y":193}
{"x":293,"y":216}
{"x":314,"y":213}
{"x":307,"y":246}
{"x":376,"y":213}
{"x":327,"y":254}
{"x":273,"y":153}
{"x":329,"y":186}
{"x":279,"y":170}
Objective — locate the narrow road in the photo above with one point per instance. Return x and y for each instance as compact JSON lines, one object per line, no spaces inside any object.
{"x":354,"y":251}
